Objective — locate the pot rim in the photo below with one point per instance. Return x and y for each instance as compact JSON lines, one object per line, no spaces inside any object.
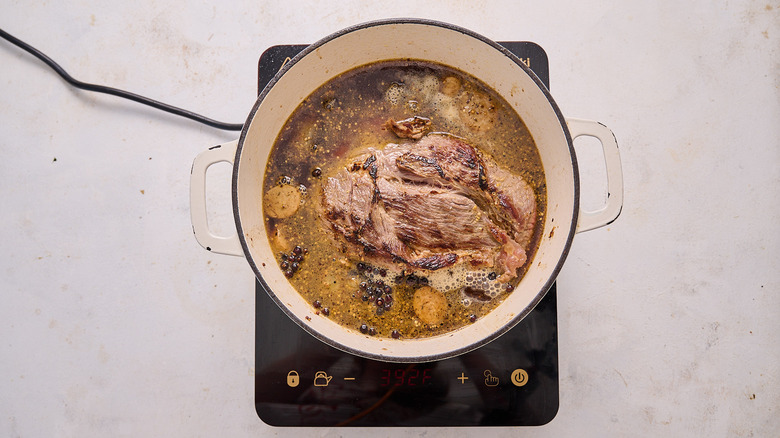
{"x":553,"y":272}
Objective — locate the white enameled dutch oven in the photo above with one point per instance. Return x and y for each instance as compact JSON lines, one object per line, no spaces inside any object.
{"x":422,"y":40}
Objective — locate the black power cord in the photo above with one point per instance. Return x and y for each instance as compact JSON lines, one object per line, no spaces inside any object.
{"x":117,"y":92}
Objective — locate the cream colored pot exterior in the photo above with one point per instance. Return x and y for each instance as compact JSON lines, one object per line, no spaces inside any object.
{"x":424,"y":40}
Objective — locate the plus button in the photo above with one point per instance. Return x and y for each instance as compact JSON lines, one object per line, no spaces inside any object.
{"x":462,"y":378}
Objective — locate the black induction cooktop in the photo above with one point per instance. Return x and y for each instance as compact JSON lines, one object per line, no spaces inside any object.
{"x":300,"y":381}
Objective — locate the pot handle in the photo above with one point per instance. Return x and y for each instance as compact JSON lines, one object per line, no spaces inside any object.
{"x":589,"y":220}
{"x":223,"y":245}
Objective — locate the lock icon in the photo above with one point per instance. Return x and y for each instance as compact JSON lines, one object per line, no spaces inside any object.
{"x":292,"y":379}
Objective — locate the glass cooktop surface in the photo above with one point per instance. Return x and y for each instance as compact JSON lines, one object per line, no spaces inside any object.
{"x":300,"y":381}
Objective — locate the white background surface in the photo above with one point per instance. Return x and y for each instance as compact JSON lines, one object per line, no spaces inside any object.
{"x":114,"y":322}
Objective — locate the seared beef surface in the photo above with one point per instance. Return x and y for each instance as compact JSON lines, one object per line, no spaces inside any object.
{"x":430,"y":204}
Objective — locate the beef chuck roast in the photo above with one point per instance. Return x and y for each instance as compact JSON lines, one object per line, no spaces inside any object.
{"x":430,"y":204}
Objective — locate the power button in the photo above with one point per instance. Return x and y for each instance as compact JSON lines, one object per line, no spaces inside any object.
{"x":519,"y":377}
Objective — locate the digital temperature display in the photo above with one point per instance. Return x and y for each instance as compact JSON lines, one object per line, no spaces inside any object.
{"x":404,"y":377}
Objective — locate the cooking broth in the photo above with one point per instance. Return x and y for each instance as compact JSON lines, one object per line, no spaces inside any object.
{"x":341,"y":120}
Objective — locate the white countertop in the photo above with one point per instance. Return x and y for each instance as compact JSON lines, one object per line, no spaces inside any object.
{"x":116,"y":323}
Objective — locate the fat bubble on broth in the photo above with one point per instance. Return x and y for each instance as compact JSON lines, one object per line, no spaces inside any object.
{"x":398,"y":176}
